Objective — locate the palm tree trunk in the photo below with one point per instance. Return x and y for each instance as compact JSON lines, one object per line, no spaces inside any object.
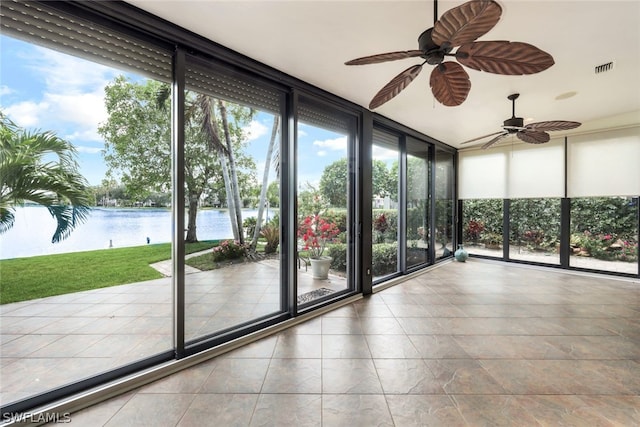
{"x":209,"y":125}
{"x":237,"y":232}
{"x":192,"y":213}
{"x":265,"y":181}
{"x":232,"y":170}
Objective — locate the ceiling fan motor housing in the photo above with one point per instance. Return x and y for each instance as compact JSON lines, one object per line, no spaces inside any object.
{"x":514,"y":124}
{"x":433,"y":53}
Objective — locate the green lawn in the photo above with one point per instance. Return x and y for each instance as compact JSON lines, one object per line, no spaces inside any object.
{"x":24,"y":279}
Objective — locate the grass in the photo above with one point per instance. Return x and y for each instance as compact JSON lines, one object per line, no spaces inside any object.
{"x":23,"y":279}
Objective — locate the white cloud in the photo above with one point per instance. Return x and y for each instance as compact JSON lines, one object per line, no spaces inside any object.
{"x":88,"y":150}
{"x":321,"y":153}
{"x":255,"y":130}
{"x":28,"y":114}
{"x":84,"y":110}
{"x":336,"y":144}
{"x":381,"y":153}
{"x":66,"y":74}
{"x":72,"y":99}
{"x":5,"y":90}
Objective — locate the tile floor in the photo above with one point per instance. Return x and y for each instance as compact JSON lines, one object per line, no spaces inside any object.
{"x":51,"y":342}
{"x":467,"y":344}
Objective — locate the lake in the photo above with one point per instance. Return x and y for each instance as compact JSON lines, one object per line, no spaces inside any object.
{"x":33,"y":228}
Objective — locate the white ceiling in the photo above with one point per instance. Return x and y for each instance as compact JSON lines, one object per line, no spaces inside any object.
{"x":311,"y":40}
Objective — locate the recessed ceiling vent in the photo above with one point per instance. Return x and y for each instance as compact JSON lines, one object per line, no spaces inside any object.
{"x":604,"y":67}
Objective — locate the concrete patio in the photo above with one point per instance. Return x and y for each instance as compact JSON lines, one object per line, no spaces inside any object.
{"x":49,"y":342}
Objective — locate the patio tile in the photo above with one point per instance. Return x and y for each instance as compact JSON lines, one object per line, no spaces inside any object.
{"x":424,"y":410}
{"x":391,"y":347}
{"x":298,"y":346}
{"x":27,"y":344}
{"x":152,"y":410}
{"x":293,"y":376}
{"x":345,"y":347}
{"x":288,"y":410}
{"x":232,"y":375}
{"x":67,"y":346}
{"x":355,"y":410}
{"x":350,"y":376}
{"x":341,"y":326}
{"x":222,"y":409}
{"x":407,"y":376}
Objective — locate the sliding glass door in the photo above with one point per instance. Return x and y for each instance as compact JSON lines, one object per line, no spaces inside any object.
{"x":384,"y":204}
{"x":325,"y":170}
{"x":417,"y":203}
{"x":444,"y":205}
{"x":231,"y":181}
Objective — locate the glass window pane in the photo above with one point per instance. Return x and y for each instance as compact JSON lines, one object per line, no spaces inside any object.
{"x":535,"y":230}
{"x":417,"y":203}
{"x":482,"y":226}
{"x":444,"y":204}
{"x":604,"y":234}
{"x":385,"y":209}
{"x":231,"y":179}
{"x":97,"y":299}
{"x":324,"y":176}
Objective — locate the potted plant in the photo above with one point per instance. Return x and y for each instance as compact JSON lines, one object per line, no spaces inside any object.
{"x":315,"y":233}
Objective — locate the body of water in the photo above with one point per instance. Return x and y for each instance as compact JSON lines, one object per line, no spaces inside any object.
{"x":106,"y":227}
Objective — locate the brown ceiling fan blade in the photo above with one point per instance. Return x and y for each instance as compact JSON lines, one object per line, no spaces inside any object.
{"x":533,"y":137}
{"x":481,"y":137}
{"x":504,"y":57}
{"x":465,"y":23}
{"x":395,"y":86}
{"x":553,"y":125}
{"x":384,"y":57}
{"x":450,"y":84}
{"x":494,"y":140}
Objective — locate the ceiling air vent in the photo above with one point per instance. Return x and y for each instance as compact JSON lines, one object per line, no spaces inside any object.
{"x":604,"y":67}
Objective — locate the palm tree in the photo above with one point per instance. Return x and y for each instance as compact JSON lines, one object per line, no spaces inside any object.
{"x":265,"y":177}
{"x":201,"y":112}
{"x":28,"y":174}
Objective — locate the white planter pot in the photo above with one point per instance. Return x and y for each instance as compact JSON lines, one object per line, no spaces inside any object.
{"x":320,"y":267}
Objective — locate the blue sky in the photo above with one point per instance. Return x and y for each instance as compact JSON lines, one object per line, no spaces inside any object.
{"x":43,"y":89}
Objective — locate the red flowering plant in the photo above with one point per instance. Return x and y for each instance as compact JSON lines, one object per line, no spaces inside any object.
{"x":315,"y":233}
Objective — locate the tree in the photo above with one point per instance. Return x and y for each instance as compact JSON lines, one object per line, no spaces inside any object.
{"x":138,"y":134}
{"x":273,"y":194}
{"x":27,"y":173}
{"x":382,"y":181}
{"x":265,"y":180}
{"x":333,"y":182}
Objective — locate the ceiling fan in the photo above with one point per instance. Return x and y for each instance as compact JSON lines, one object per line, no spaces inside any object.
{"x":459,"y":26}
{"x":533,"y":133}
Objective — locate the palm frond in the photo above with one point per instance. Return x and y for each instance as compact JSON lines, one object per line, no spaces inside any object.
{"x":7,"y":219}
{"x":209,"y":124}
{"x":26,"y":175}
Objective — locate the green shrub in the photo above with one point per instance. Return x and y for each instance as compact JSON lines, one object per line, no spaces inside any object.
{"x":605,"y":247}
{"x":391,"y":230}
{"x":416,"y":221}
{"x":488,"y":212}
{"x":384,"y":258}
{"x":272,"y":236}
{"x":338,"y":217}
{"x":249,"y":225}
{"x":228,"y":249}
{"x":605,"y":215}
{"x":338,"y":252}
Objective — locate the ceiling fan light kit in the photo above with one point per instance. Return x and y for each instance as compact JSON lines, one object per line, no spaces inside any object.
{"x":459,"y":27}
